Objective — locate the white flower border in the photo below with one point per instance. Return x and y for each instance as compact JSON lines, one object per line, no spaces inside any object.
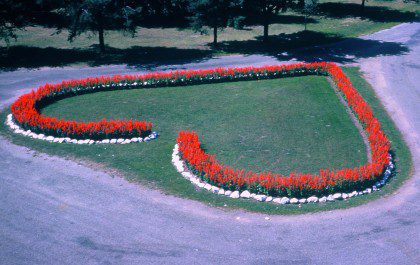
{"x":18,"y":130}
{"x":186,"y":173}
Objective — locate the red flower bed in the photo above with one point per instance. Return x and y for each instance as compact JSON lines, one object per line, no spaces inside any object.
{"x":296,"y":184}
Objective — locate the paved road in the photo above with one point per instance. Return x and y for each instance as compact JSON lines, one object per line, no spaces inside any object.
{"x":54,"y":211}
{"x":398,"y":78}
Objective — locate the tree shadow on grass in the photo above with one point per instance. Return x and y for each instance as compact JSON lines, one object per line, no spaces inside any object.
{"x":292,"y":19}
{"x":33,"y":57}
{"x":311,"y":46}
{"x":282,"y":19}
{"x":278,"y":43}
{"x":307,"y":46}
{"x":373,"y":13}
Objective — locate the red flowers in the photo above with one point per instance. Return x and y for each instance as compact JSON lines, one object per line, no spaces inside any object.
{"x":25,"y":112}
{"x":296,"y":184}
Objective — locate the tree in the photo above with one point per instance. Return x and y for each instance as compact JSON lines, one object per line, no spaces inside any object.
{"x":164,"y":7}
{"x":157,"y":13}
{"x":16,"y":15}
{"x":363,"y":5}
{"x":12,"y":17}
{"x":301,"y":3}
{"x":266,"y":10}
{"x":100,"y":15}
{"x":309,"y":8}
{"x":212,"y":13}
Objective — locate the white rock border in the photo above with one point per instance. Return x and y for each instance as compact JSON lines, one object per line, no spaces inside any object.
{"x":186,"y":173}
{"x":18,"y":130}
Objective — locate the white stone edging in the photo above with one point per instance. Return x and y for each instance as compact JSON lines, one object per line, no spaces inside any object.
{"x":17,"y":129}
{"x":186,"y":173}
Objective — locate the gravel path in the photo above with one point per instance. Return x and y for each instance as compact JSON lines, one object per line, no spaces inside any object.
{"x":54,"y":211}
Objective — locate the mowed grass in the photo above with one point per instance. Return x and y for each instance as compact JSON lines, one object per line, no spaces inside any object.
{"x":277,"y":125}
{"x":280,"y":125}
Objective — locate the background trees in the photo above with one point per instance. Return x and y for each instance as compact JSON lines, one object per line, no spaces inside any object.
{"x":76,"y":17}
{"x":309,"y":9}
{"x":266,"y":10}
{"x":12,"y":17}
{"x":99,"y":15}
{"x":163,"y":12}
{"x":212,"y":13}
{"x":15,"y":15}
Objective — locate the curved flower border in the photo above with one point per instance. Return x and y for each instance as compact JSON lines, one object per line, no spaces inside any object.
{"x":26,"y":115}
{"x":300,"y":185}
{"x":183,"y":169}
{"x":49,"y":138}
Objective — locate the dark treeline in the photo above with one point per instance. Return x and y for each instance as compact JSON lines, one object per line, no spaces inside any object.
{"x":97,"y":16}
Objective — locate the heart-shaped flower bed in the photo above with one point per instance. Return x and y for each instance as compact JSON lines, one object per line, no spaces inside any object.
{"x":26,"y":114}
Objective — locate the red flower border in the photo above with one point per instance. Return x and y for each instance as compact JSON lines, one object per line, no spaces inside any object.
{"x":25,"y":112}
{"x":296,"y":184}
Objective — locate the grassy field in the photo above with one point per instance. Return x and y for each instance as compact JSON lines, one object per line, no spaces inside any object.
{"x":334,"y":21}
{"x":280,"y":125}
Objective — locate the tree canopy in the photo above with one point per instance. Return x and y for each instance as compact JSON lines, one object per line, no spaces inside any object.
{"x":12,"y":17}
{"x":266,"y":10}
{"x":99,"y":15}
{"x":212,"y":13}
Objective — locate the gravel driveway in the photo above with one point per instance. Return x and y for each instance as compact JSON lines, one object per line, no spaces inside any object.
{"x":54,"y":211}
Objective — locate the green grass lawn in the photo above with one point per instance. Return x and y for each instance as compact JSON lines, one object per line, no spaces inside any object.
{"x":336,"y":20}
{"x":280,"y":125}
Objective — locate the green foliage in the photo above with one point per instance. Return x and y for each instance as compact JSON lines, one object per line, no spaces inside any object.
{"x":310,"y":6}
{"x":237,"y":22}
{"x":212,"y":13}
{"x":16,"y":15}
{"x":12,"y":17}
{"x":265,"y":11}
{"x":98,"y":15}
{"x":309,"y":9}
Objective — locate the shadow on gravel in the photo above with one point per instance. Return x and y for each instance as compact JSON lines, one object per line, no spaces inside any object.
{"x":33,"y":57}
{"x":313,"y":46}
{"x":373,"y":13}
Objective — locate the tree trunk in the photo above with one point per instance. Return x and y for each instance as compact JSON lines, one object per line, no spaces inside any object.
{"x":215,"y":36}
{"x":101,"y":40}
{"x":265,"y":31}
{"x":363,"y":6}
